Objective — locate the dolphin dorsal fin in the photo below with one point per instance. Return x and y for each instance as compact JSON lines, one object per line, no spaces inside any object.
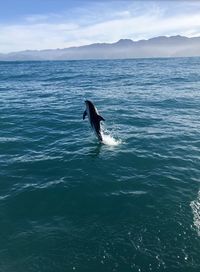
{"x":101,"y":118}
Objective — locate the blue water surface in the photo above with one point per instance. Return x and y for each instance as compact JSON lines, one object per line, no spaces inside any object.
{"x":68,"y":203}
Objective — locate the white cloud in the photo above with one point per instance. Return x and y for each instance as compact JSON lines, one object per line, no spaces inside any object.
{"x":34,"y":36}
{"x":37,"y":17}
{"x":42,"y":18}
{"x":43,"y":31}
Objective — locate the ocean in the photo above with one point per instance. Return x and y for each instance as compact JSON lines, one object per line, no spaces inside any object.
{"x":68,"y":203}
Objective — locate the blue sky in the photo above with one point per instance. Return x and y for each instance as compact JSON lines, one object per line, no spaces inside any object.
{"x":43,"y":24}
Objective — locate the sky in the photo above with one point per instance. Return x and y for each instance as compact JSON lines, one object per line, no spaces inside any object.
{"x":51,"y":24}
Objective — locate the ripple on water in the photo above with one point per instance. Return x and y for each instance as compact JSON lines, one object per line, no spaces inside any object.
{"x":129,"y":193}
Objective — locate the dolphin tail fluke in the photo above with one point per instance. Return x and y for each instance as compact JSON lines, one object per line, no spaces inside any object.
{"x":101,"y":118}
{"x":84,"y":114}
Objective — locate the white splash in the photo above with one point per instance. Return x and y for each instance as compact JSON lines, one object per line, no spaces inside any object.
{"x":109,"y":139}
{"x":195,"y":205}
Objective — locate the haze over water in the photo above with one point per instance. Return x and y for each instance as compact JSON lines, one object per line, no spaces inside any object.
{"x":68,"y":203}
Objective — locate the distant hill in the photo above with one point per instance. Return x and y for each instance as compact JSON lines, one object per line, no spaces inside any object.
{"x":174,"y":46}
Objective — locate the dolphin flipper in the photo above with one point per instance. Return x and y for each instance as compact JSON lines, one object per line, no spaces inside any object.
{"x":84,"y":114}
{"x":101,"y":118}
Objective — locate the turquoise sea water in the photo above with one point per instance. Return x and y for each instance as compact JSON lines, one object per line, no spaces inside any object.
{"x":68,"y":203}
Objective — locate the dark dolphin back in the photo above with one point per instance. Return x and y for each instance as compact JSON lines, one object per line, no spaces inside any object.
{"x":91,"y":106}
{"x":95,"y":119}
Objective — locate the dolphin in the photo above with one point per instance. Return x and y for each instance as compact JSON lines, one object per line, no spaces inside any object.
{"x":94,"y":118}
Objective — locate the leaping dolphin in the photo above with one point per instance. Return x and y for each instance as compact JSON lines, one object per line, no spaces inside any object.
{"x":94,"y":118}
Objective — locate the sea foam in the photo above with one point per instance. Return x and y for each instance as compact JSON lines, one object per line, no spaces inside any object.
{"x":108,"y":139}
{"x":195,"y":205}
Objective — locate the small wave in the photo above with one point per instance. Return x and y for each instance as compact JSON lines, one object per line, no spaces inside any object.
{"x":121,"y":193}
{"x":9,"y":139}
{"x":195,"y":205}
{"x":4,"y":197}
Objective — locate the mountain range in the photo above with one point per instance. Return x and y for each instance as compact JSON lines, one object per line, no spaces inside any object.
{"x":162,"y":46}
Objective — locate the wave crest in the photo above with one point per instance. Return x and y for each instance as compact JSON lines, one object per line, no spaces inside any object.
{"x":195,"y":205}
